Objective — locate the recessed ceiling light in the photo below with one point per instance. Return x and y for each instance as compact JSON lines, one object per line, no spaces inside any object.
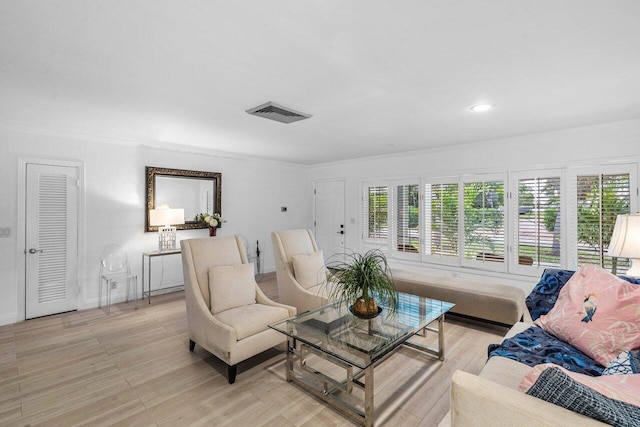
{"x":478,"y":108}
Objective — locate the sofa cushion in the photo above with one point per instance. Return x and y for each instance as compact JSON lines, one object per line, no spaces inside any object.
{"x":231,"y":286}
{"x":627,"y":362}
{"x":608,"y":399}
{"x":309,"y":269}
{"x":249,"y":320}
{"x":597,"y":313}
{"x":507,"y":372}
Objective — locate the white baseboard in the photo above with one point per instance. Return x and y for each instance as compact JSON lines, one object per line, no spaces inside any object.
{"x":8,"y":319}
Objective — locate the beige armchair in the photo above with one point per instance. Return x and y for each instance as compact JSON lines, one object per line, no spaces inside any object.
{"x":305,"y":287}
{"x":227,"y":313}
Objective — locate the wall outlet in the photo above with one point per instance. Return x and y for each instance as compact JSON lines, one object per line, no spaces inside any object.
{"x":5,"y":232}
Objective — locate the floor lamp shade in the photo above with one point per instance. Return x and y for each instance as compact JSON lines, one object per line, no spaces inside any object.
{"x":165,"y":219}
{"x":625,"y":241}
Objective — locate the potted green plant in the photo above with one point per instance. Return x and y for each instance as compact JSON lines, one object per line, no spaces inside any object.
{"x":362,"y":280}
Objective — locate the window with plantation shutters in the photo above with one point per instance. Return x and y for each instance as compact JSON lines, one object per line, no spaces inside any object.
{"x":441,"y":220}
{"x":518,"y":222}
{"x":407,"y":217}
{"x":538,"y":221}
{"x":376,"y":212}
{"x":484,"y":227}
{"x":599,"y":199}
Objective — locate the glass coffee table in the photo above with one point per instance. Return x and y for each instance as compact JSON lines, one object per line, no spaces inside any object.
{"x":344,"y":349}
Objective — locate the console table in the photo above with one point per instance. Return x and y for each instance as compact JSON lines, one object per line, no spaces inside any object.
{"x":150,"y":255}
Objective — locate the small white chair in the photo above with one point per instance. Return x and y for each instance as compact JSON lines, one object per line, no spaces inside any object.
{"x":300,"y":269}
{"x":114,"y":268}
{"x":227,"y":312}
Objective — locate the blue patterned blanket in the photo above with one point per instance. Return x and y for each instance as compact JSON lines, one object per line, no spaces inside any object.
{"x":535,"y":346}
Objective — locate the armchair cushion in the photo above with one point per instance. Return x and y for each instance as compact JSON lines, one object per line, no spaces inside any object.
{"x":231,"y":286}
{"x":249,"y":320}
{"x":309,"y":269}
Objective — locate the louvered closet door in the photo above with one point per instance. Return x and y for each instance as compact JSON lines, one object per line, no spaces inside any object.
{"x":51,"y":240}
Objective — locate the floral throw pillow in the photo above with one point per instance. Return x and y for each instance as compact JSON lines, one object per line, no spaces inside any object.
{"x":627,"y":362}
{"x":596,"y":312}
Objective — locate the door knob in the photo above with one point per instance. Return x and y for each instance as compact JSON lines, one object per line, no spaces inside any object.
{"x":34,"y":250}
{"x":340,"y":232}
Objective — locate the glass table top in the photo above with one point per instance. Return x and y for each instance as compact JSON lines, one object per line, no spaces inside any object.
{"x":332,"y":328}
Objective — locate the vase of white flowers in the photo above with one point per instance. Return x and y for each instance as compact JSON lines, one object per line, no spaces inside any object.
{"x":213,"y":221}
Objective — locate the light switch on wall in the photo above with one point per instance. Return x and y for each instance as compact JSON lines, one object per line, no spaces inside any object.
{"x":5,"y":231}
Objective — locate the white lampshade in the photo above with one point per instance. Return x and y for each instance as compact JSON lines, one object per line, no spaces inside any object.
{"x":166,"y":216}
{"x":625,"y":241}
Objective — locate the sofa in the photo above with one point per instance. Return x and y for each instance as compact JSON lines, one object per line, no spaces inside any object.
{"x":529,"y":355}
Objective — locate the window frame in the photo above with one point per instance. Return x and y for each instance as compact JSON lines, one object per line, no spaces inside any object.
{"x":426,"y":231}
{"x":514,"y":202}
{"x":393,"y":241}
{"x":382,"y":242}
{"x":572,"y":203}
{"x":475,"y":263}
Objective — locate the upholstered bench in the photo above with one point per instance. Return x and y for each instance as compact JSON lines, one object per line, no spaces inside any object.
{"x":489,"y":301}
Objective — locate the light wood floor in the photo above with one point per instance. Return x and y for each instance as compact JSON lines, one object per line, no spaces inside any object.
{"x":133,"y":368}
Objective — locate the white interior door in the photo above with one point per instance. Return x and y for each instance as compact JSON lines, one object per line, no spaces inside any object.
{"x":329,"y":217}
{"x":51,"y":239}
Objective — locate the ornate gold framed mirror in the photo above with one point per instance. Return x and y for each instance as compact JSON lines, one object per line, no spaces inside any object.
{"x":194,"y":191}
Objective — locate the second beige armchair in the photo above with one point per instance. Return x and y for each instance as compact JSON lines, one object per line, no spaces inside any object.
{"x":300,"y":269}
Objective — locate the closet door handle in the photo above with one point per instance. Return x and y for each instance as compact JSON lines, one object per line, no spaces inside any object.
{"x":34,"y":250}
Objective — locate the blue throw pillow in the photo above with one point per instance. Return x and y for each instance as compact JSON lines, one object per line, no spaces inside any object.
{"x":544,"y":295}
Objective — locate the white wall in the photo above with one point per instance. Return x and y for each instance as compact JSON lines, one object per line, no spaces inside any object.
{"x":613,"y":142}
{"x":254,"y":190}
{"x":252,"y":193}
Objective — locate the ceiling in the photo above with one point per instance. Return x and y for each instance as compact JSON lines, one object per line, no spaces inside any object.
{"x":378,"y":76}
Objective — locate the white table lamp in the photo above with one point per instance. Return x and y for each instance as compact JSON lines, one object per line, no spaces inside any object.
{"x":625,"y":241}
{"x":165,"y":219}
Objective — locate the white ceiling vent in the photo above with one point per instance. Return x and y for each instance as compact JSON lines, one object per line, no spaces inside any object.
{"x":276,"y":112}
